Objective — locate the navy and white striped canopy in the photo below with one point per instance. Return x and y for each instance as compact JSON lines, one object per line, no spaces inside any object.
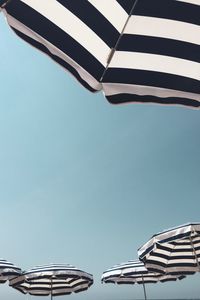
{"x":53,"y":279}
{"x":133,"y":50}
{"x":134,"y":271}
{"x":174,"y":251}
{"x":8,"y":271}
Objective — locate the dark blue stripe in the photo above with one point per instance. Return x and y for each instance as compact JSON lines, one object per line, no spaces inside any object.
{"x":161,"y":46}
{"x":182,"y":273}
{"x":156,"y":255}
{"x":125,"y":282}
{"x":127,"y":4}
{"x":166,"y":246}
{"x":169,"y":9}
{"x":87,"y":13}
{"x":126,"y":98}
{"x":182,"y":264}
{"x":108,"y":281}
{"x":55,"y":58}
{"x":168,"y":279}
{"x":176,"y":272}
{"x":32,"y":282}
{"x":62,"y":294}
{"x":182,"y":250}
{"x":49,"y":31}
{"x":3,"y":280}
{"x":146,"y":281}
{"x":81,"y":290}
{"x":151,"y":78}
{"x":177,"y":236}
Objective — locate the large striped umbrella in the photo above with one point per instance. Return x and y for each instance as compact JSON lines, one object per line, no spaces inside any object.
{"x":173,"y":251}
{"x":53,"y":279}
{"x":132,"y":50}
{"x":133,"y":272}
{"x":8,"y":271}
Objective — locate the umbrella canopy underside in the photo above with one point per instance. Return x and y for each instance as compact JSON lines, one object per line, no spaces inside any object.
{"x":8,"y":271}
{"x":52,"y":280}
{"x":135,"y":51}
{"x":135,"y":272}
{"x":174,"y":251}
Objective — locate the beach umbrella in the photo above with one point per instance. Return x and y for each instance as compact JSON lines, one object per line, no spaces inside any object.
{"x":173,"y":251}
{"x":53,"y":279}
{"x":133,"y":272}
{"x":132,"y":50}
{"x":8,"y":271}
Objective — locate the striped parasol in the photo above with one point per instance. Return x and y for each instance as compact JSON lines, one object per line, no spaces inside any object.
{"x":8,"y":271}
{"x":174,"y":251}
{"x":133,"y":50}
{"x":133,"y":272}
{"x":53,"y":279}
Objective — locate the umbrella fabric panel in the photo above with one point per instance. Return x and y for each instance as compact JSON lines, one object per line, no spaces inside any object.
{"x":77,"y":34}
{"x":174,"y":251}
{"x":133,"y":272}
{"x":8,"y":271}
{"x":52,"y":279}
{"x":158,"y":57}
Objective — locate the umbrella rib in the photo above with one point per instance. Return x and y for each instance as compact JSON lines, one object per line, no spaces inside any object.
{"x":195,"y":254}
{"x":4,"y":5}
{"x":112,"y":52}
{"x":168,"y":260}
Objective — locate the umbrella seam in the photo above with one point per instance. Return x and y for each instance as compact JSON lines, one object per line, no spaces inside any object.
{"x":113,"y":50}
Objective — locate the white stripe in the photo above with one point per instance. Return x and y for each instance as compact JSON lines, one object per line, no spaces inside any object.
{"x":112,"y":11}
{"x":73,"y":26}
{"x":190,"y":1}
{"x":183,"y":246}
{"x":155,"y":260}
{"x":54,"y":50}
{"x":156,"y":63}
{"x":179,"y":261}
{"x":164,"y":28}
{"x":111,"y":89}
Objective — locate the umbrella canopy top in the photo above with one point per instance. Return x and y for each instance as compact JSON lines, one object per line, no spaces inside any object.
{"x":55,"y":279}
{"x":132,"y":272}
{"x":173,"y":251}
{"x":8,"y":271}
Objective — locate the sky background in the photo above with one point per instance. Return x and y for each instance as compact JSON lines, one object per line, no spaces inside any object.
{"x":85,"y":182}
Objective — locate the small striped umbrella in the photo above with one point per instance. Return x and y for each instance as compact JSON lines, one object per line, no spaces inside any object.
{"x":174,"y":251}
{"x":133,"y":272}
{"x":8,"y":271}
{"x":53,"y":279}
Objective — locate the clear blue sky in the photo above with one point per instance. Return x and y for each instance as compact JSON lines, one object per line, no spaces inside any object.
{"x":85,"y":182}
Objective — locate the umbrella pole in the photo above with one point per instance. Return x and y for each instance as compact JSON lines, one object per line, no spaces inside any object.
{"x":144,"y":288}
{"x":51,"y":289}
